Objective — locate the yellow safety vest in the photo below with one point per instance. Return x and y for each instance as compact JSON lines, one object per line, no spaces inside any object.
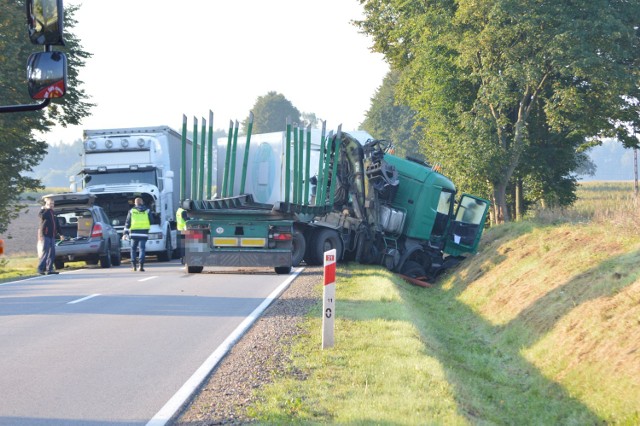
{"x":140,"y":219}
{"x":181,"y":223}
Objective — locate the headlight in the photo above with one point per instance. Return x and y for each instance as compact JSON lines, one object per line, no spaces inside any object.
{"x":155,"y":235}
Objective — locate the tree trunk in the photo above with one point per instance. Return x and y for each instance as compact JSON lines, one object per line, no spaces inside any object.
{"x":518,"y":200}
{"x":499,"y":194}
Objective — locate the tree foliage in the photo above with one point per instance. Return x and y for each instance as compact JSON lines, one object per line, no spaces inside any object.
{"x":20,"y":150}
{"x":392,"y":120}
{"x":270,"y":113}
{"x":478,"y":71}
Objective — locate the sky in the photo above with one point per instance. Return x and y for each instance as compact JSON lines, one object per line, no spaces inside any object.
{"x":154,"y":61}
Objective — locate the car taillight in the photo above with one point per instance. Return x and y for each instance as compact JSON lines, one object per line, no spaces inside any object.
{"x":96,"y":232}
{"x":282,"y":236}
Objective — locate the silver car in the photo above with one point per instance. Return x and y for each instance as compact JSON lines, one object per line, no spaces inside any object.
{"x":86,"y":230}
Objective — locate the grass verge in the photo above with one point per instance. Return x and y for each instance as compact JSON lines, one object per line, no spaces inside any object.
{"x":376,"y":373}
{"x":17,"y":266}
{"x":542,"y":327}
{"x":24,"y":266}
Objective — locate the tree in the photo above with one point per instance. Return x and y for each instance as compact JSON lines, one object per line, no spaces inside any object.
{"x":475,"y":71}
{"x":270,"y":113}
{"x":20,"y":151}
{"x":389,"y":119}
{"x":310,"y":119}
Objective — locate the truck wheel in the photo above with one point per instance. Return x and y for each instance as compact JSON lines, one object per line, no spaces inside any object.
{"x":59,"y":264}
{"x":299,"y":247}
{"x":324,"y":240}
{"x":281,"y":270}
{"x":413,"y":269}
{"x":194,"y":269}
{"x":105,"y":259}
{"x":165,"y":256}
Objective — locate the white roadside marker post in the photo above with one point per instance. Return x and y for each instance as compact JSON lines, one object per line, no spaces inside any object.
{"x":329,"y":298}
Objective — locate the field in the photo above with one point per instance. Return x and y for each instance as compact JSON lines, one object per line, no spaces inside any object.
{"x":21,"y":237}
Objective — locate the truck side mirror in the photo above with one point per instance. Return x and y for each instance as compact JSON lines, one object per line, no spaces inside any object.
{"x":45,"y":20}
{"x":47,"y":75}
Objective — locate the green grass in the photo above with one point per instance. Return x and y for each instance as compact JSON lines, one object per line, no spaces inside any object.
{"x":376,"y":373}
{"x":406,"y":355}
{"x":19,"y":266}
{"x":542,"y":327}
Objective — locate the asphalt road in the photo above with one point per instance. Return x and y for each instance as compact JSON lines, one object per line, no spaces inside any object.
{"x":112,"y":346}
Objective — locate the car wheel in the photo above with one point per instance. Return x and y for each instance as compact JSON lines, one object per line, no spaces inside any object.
{"x":59,"y":264}
{"x":116,"y":259}
{"x":105,"y":259}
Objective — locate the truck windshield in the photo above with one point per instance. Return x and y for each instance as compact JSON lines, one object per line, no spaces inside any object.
{"x":445,"y":206}
{"x":124,"y":177}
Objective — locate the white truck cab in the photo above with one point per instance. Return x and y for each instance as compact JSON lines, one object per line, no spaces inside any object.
{"x":119,"y":165}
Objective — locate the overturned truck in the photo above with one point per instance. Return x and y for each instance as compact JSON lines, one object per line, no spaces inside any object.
{"x":355,"y":197}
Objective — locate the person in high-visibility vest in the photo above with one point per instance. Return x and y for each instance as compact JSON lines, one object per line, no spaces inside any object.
{"x":181,"y":225}
{"x":137,"y":227}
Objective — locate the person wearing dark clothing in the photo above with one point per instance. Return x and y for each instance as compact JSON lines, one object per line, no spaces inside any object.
{"x":47,"y":233}
{"x":137,"y":227}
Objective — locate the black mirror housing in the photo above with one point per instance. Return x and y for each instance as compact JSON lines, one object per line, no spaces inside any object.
{"x":45,"y":20}
{"x":47,"y":75}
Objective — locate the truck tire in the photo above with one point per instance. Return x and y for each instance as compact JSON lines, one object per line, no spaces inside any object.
{"x":299,"y":247}
{"x":59,"y":264}
{"x":413,"y":269}
{"x":165,"y":255}
{"x":194,"y":269}
{"x":105,"y":259}
{"x":324,"y":240}
{"x":281,"y":270}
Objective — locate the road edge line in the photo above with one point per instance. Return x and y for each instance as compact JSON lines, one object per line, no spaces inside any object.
{"x":176,"y":402}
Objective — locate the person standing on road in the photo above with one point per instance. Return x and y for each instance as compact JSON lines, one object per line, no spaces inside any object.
{"x":47,"y":233}
{"x":181,"y":225}
{"x":137,"y":227}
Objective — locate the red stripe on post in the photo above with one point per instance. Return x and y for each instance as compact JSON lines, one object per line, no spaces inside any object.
{"x":330,"y":274}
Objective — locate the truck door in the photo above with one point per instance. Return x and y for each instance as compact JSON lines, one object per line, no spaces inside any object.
{"x":467,"y":226}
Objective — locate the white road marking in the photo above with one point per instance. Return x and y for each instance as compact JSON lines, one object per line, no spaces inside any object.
{"x":83,"y":299}
{"x":175,"y":403}
{"x":148,"y":278}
